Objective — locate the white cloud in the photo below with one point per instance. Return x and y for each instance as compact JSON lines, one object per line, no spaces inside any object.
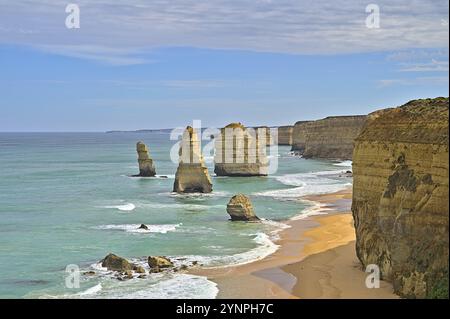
{"x":433,"y":66}
{"x":285,"y":26}
{"x":432,"y":80}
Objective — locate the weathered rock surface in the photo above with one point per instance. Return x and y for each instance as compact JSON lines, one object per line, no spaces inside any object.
{"x":268,"y":133}
{"x":299,"y":137}
{"x":240,"y":208}
{"x":192,"y":175}
{"x":400,"y":196}
{"x":240,"y":152}
{"x":146,"y":166}
{"x":116,"y":263}
{"x":285,"y":135}
{"x":159,"y":262}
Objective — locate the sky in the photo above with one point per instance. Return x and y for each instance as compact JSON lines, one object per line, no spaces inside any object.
{"x":162,"y":64}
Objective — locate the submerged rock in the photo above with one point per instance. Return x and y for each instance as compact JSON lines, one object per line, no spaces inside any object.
{"x":89,"y":273}
{"x":146,"y":166}
{"x":143,"y":226}
{"x":240,"y":208}
{"x":400,"y":196}
{"x":159,"y":262}
{"x":192,"y":175}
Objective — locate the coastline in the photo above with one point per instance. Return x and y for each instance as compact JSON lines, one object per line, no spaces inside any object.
{"x":315,"y":259}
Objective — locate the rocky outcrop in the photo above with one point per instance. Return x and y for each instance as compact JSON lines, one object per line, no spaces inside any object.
{"x":299,"y":137}
{"x":240,"y":152}
{"x":146,"y":166}
{"x":116,"y":263}
{"x":285,"y":135}
{"x":400,"y":196}
{"x":159,"y":262}
{"x":192,"y":175}
{"x":240,"y":208}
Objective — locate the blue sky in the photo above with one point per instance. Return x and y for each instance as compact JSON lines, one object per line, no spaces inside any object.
{"x":162,"y":64}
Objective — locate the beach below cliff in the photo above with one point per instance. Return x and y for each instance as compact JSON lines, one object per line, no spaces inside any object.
{"x":316,"y":259}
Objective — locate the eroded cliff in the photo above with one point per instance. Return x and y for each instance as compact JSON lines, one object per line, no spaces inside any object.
{"x":400,"y":196}
{"x":285,"y":135}
{"x":299,"y":137}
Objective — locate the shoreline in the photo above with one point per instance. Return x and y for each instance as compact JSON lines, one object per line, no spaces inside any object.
{"x":315,"y":259}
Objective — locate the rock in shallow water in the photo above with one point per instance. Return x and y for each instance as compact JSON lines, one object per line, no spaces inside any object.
{"x":240,"y":208}
{"x":159,"y":262}
{"x":116,"y":263}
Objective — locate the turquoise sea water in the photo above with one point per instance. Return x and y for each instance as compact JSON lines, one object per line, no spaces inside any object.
{"x":67,"y":198}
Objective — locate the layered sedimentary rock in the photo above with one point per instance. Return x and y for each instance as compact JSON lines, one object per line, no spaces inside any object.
{"x":268,"y":133}
{"x":299,"y":137}
{"x":240,"y":208}
{"x":240,"y":152}
{"x":285,"y":135}
{"x":146,"y":166}
{"x":400,"y":196}
{"x":192,"y":175}
{"x":332,"y":137}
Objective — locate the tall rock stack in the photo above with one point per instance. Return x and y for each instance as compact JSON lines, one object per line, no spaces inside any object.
{"x":285,"y":135}
{"x":299,"y":137}
{"x":400,"y":196}
{"x":146,"y":166}
{"x":192,"y":174}
{"x":240,"y":152}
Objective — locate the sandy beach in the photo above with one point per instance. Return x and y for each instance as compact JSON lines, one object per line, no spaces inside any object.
{"x":316,"y":259}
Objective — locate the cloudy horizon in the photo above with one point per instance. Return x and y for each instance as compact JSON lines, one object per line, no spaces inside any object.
{"x":159,"y":64}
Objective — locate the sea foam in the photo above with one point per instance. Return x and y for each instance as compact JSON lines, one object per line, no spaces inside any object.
{"x":324,"y":182}
{"x":134,"y":228}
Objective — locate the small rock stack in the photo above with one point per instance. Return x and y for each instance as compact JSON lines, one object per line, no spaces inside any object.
{"x":146,"y":167}
{"x":240,"y":208}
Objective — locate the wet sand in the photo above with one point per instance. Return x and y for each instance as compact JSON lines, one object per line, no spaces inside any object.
{"x":316,"y":259}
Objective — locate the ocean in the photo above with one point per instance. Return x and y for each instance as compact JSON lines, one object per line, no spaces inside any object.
{"x":68,"y":199}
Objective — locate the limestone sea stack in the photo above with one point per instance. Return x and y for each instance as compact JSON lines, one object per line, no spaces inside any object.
{"x":266,"y":129}
{"x":240,"y":208}
{"x":285,"y":135}
{"x":400,"y":196}
{"x":192,"y":175}
{"x":146,"y":166}
{"x":240,"y":152}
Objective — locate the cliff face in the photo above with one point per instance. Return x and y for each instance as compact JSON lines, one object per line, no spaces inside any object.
{"x":299,"y":136}
{"x":285,"y":135}
{"x":192,"y":175}
{"x":400,"y":196}
{"x":332,"y":137}
{"x":240,"y":152}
